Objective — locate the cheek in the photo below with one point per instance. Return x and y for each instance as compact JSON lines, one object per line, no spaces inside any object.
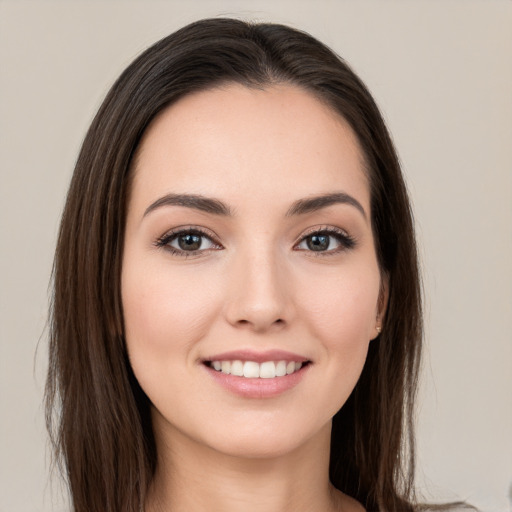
{"x":341,"y":317}
{"x":342,"y":314}
{"x":164,"y":311}
{"x":343,"y":304}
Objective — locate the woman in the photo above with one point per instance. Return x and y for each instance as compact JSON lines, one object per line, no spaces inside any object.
{"x":237,"y":316}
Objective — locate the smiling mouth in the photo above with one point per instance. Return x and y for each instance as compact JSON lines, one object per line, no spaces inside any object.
{"x":254,"y":370}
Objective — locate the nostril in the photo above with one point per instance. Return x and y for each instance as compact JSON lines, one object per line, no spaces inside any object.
{"x":257,"y":319}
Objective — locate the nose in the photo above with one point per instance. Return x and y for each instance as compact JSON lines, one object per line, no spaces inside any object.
{"x":259,"y":292}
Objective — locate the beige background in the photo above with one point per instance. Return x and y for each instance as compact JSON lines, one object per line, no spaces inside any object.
{"x":442,"y":74}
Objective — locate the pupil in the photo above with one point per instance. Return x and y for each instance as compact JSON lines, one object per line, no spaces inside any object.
{"x":189,"y":242}
{"x":318,"y":242}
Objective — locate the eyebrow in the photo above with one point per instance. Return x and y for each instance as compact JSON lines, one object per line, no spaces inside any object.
{"x":312,"y":204}
{"x":217,"y":207}
{"x":195,"y":201}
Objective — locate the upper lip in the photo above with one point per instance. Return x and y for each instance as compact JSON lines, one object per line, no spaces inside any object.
{"x":257,"y":357}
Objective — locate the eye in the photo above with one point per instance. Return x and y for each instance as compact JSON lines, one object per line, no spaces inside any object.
{"x":186,"y":242}
{"x":326,"y":241}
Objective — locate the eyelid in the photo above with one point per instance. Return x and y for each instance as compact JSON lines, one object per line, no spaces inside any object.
{"x":163,"y":241}
{"x":323,"y":228}
{"x":344,"y":238}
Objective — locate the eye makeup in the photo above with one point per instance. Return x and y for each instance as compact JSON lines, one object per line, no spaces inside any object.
{"x":195,"y":241}
{"x":320,"y":241}
{"x":191,"y":241}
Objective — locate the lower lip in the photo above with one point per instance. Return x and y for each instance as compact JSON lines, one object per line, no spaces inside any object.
{"x":257,"y":388}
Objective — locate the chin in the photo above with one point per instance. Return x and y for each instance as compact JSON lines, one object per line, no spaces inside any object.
{"x":268,"y":442}
{"x":259,"y":447}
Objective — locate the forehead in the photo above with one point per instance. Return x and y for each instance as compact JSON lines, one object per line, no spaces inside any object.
{"x":279,"y":143}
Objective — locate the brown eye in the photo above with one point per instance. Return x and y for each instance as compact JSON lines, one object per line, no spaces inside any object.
{"x":189,"y":242}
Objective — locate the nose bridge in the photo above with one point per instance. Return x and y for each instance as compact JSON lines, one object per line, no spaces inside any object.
{"x":258,"y":292}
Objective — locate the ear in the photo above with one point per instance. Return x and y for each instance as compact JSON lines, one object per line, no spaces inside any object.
{"x":382,"y":304}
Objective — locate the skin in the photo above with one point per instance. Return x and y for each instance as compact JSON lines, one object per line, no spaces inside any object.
{"x":255,"y":285}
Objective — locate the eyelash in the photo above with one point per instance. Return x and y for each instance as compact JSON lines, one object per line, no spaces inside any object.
{"x":164,"y":241}
{"x":344,"y":239}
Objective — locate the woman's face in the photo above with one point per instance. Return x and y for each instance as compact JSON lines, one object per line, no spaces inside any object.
{"x":248,"y":253}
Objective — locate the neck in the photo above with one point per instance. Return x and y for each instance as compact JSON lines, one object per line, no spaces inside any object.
{"x":194,"y":478}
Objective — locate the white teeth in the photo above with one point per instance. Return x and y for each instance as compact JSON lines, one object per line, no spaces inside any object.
{"x":267,"y":370}
{"x":237,"y":368}
{"x":281,"y":369}
{"x":253,"y":370}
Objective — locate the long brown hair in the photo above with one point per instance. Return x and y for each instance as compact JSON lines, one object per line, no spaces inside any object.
{"x":97,"y":415}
